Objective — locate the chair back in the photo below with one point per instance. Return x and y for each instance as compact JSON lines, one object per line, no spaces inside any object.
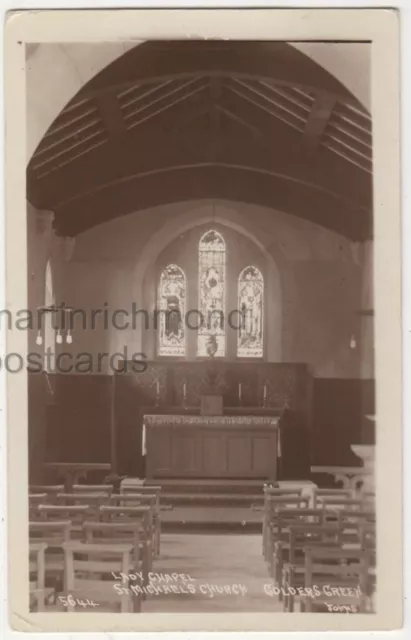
{"x":53,"y":533}
{"x":114,"y":533}
{"x":37,"y":575}
{"x":75,"y":513}
{"x":106,"y":489}
{"x":338,"y":569}
{"x":90,"y":571}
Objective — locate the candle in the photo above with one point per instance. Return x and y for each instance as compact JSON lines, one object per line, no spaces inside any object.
{"x":265,"y":392}
{"x":158,"y":387}
{"x":184,"y":390}
{"x":239,"y":390}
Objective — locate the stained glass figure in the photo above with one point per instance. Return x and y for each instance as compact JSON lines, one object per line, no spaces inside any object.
{"x":172,"y":296}
{"x":211,"y":294}
{"x":251,"y":306}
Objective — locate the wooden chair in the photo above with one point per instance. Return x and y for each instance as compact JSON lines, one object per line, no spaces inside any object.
{"x":341,"y":569}
{"x":92,"y":500}
{"x":279,"y":544}
{"x":354,"y":517}
{"x":141,"y":489}
{"x":34,"y":500}
{"x":272,"y":504}
{"x":151,"y":500}
{"x":124,"y":533}
{"x":54,"y":534}
{"x":51,"y":490}
{"x":106,"y":489}
{"x":89,"y":572}
{"x":269,"y":491}
{"x":153,"y":489}
{"x":293,"y":565}
{"x":340,"y":503}
{"x":75,"y":513}
{"x":37,"y":576}
{"x":281,"y":521}
{"x":346,"y":494}
{"x":143,"y":515}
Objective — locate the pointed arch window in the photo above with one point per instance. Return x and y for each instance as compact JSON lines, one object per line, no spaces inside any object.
{"x":251,"y":306}
{"x":171,"y":303}
{"x":211,"y":338}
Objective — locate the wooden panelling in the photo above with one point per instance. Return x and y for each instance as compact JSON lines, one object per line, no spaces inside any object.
{"x":339,"y":406}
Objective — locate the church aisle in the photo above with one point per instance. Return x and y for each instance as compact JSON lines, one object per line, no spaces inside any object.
{"x":222,"y":573}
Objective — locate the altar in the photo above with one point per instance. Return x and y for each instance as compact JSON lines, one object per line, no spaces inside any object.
{"x":199,"y":446}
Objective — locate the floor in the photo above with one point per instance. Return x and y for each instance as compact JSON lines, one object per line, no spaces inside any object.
{"x":221,"y":573}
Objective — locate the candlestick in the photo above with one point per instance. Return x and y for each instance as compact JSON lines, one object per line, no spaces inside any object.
{"x":185,"y":395}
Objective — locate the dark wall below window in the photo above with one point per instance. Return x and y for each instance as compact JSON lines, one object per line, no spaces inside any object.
{"x":338,"y":410}
{"x":78,"y":419}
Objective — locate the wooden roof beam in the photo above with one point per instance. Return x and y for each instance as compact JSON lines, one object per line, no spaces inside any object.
{"x":318,"y":119}
{"x":111,"y":113}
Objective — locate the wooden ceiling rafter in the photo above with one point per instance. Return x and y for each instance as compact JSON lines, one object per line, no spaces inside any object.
{"x":348,"y":132}
{"x":238,"y":120}
{"x":274,"y":103}
{"x":78,"y":155}
{"x":165,"y":96}
{"x":335,"y":149}
{"x":60,"y":125}
{"x":72,"y":146}
{"x":168,"y":105}
{"x":45,"y":149}
{"x":300,"y":128}
{"x":162,"y":149}
{"x":145,"y":92}
{"x":318,"y":118}
{"x":260,"y":106}
{"x":290,"y":93}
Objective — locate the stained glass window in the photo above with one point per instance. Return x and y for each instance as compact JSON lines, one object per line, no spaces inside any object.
{"x":172,"y":297}
{"x":251,"y":306}
{"x":211,"y":295}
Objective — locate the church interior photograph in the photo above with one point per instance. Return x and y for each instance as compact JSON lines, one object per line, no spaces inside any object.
{"x":201,"y":392}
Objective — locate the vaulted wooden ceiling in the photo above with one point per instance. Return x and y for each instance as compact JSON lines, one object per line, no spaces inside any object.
{"x":174,"y":121}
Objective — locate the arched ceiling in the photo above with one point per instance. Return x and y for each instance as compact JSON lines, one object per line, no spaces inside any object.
{"x":170,"y":121}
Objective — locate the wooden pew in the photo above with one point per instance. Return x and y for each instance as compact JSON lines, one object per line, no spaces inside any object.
{"x":89,"y":577}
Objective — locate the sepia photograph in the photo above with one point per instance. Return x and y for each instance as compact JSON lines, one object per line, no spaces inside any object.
{"x":199,"y":321}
